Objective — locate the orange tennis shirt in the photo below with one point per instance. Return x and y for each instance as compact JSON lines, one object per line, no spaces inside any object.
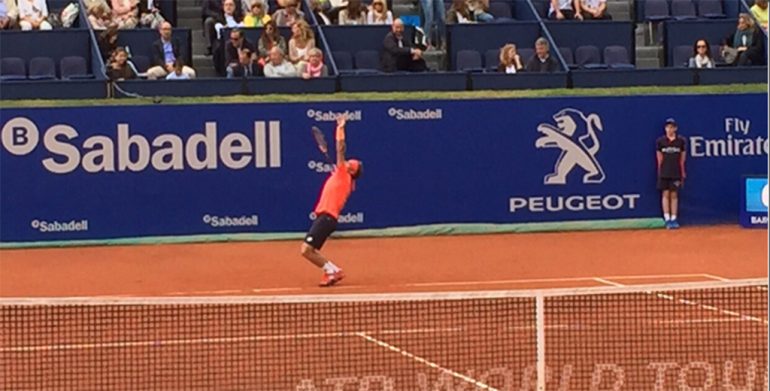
{"x":335,"y":192}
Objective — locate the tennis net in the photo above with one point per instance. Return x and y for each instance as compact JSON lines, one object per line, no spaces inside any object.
{"x":675,"y":336}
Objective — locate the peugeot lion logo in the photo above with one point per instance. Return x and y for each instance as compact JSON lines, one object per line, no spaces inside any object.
{"x":575,"y":135}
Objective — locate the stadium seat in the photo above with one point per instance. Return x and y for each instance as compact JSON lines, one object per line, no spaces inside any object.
{"x":74,"y":67}
{"x":142,"y":63}
{"x":525,"y":54}
{"x":716,"y":54}
{"x":711,"y":9}
{"x":12,"y":68}
{"x":616,"y":57}
{"x":42,"y":68}
{"x":683,"y":10}
{"x":367,"y":60}
{"x":343,"y":60}
{"x":500,"y":10}
{"x":469,"y":60}
{"x":541,"y":6}
{"x":588,"y":57}
{"x":492,"y":59}
{"x":567,"y":54}
{"x":656,"y":10}
{"x":682,"y":54}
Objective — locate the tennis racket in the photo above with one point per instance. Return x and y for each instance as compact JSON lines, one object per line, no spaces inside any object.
{"x":321,"y":141}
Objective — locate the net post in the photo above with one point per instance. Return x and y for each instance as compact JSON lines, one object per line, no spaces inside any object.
{"x":540,"y":327}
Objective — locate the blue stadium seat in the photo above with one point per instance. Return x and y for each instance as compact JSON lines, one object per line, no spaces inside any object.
{"x":656,"y":10}
{"x":500,"y":10}
{"x":367,"y":60}
{"x":567,"y":54}
{"x":711,"y":9}
{"x":683,"y":10}
{"x":525,"y":54}
{"x":142,"y":63}
{"x":42,"y":68}
{"x":492,"y":59}
{"x":588,"y":57}
{"x":716,"y":54}
{"x":469,"y":60}
{"x":343,"y":60}
{"x":13,"y":68}
{"x":616,"y":57}
{"x":682,"y":54}
{"x":74,"y":67}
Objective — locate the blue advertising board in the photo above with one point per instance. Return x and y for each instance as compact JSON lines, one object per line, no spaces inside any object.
{"x":755,"y":200}
{"x":136,"y":171}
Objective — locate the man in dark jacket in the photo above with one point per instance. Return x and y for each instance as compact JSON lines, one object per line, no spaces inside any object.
{"x":213,"y":13}
{"x":542,"y":60}
{"x":246,"y":66}
{"x":165,"y":52}
{"x":398,"y":54}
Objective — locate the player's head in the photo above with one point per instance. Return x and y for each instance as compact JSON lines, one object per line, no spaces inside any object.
{"x":671,"y":126}
{"x":355,"y":168}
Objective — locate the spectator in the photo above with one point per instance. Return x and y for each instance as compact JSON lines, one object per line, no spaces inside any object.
{"x":314,"y":67}
{"x":594,"y":10}
{"x":119,"y":69}
{"x":233,"y":49}
{"x":246,"y":67}
{"x":166,"y":52}
{"x":178,"y":73}
{"x":108,"y":42}
{"x":270,"y":38}
{"x":278,"y":66}
{"x":256,"y":17}
{"x":353,"y":14}
{"x":398,"y":54}
{"x":149,"y":14}
{"x":286,"y":17}
{"x":33,"y":15}
{"x":459,"y":13}
{"x":98,"y":18}
{"x":759,"y":9}
{"x":479,"y":9}
{"x":510,"y":61}
{"x":302,"y":40}
{"x":320,"y":15}
{"x":247,"y":4}
{"x":125,"y":13}
{"x":746,"y":46}
{"x":701,"y":55}
{"x":542,"y":61}
{"x":379,"y":13}
{"x":229,"y":18}
{"x":565,"y":9}
{"x":433,"y":13}
{"x":9,"y":14}
{"x":212,"y":13}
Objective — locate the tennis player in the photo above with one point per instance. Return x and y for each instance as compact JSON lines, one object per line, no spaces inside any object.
{"x":671,"y":152}
{"x":334,"y":195}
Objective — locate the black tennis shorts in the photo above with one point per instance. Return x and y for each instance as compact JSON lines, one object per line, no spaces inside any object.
{"x":322,"y":228}
{"x":673,"y":184}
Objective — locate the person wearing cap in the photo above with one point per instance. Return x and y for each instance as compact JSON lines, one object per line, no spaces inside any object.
{"x":671,"y":150}
{"x":334,"y":195}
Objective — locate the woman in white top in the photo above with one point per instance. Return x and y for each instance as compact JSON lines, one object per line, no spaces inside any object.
{"x":302,"y":40}
{"x":353,"y":14}
{"x":379,"y":14}
{"x":510,"y":62}
{"x":33,"y":14}
{"x":701,"y":55}
{"x":125,"y":13}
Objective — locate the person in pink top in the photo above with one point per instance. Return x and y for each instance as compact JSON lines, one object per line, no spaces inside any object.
{"x":334,"y":195}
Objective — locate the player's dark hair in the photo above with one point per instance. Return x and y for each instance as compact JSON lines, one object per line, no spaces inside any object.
{"x":360,"y":170}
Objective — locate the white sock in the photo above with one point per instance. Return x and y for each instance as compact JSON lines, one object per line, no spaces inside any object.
{"x":330,"y":268}
{"x":673,"y":217}
{"x":667,"y":216}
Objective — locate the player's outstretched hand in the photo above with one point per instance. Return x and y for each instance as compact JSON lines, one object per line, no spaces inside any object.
{"x":342,"y":119}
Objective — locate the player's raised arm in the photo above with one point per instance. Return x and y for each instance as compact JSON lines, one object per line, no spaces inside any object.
{"x":340,"y":137}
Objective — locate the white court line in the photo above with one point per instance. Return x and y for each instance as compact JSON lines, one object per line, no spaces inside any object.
{"x":715,"y":277}
{"x":421,"y":360}
{"x":607,"y":282}
{"x":692,"y":303}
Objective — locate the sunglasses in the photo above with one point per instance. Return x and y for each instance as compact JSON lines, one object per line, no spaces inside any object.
{"x":701,"y":46}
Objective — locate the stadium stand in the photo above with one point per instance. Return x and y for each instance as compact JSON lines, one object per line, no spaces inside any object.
{"x":597,"y":54}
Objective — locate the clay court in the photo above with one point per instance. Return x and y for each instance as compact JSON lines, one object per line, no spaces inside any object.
{"x":259,"y":327}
